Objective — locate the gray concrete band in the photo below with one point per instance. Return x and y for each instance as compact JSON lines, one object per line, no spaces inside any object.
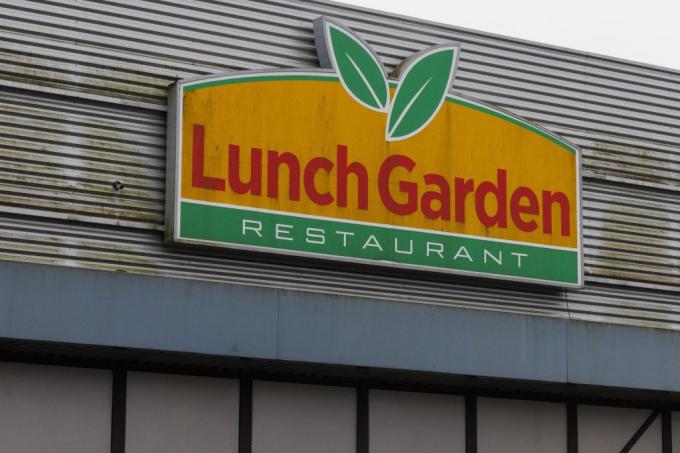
{"x":50,"y":303}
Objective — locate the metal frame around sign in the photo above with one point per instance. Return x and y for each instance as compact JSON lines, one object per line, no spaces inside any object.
{"x":174,"y":182}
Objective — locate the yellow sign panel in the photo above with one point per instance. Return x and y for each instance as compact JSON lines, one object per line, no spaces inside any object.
{"x":265,"y":153}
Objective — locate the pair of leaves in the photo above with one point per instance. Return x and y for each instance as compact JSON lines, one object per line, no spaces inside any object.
{"x":424,"y":78}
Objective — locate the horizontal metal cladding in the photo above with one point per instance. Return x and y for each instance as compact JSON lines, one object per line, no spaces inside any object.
{"x":135,"y":250}
{"x":83,"y":86}
{"x":60,"y":158}
{"x":131,"y":50}
{"x":631,"y":236}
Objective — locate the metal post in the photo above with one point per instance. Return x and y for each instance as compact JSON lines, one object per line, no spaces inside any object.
{"x":118,"y":411}
{"x":470,"y":424}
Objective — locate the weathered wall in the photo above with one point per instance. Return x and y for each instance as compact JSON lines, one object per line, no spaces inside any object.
{"x":82,"y":104}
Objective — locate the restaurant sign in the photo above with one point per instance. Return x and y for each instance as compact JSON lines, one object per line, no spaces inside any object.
{"x":349,"y":163}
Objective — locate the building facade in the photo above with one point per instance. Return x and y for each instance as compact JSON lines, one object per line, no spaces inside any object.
{"x":114,"y":340}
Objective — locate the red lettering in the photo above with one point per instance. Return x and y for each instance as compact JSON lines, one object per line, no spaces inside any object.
{"x":517,"y":209}
{"x":563,"y":202}
{"x":343,"y":172}
{"x":314,"y":165}
{"x":399,"y":196}
{"x":274,"y":161}
{"x":462,"y":188}
{"x":441,"y":197}
{"x":254,"y":184}
{"x":499,"y":192}
{"x":198,"y":178}
{"x":409,"y":188}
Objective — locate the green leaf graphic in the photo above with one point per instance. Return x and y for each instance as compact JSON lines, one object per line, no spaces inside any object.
{"x":360,"y":71}
{"x":423,"y":84}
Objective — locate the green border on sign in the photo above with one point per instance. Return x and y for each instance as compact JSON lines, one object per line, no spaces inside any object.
{"x":241,"y":226}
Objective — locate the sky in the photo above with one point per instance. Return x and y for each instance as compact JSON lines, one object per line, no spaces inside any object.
{"x":647,"y":31}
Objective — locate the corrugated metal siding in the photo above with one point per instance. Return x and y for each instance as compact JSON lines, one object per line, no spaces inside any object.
{"x":136,"y":250}
{"x":82,"y":100}
{"x":59,"y":158}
